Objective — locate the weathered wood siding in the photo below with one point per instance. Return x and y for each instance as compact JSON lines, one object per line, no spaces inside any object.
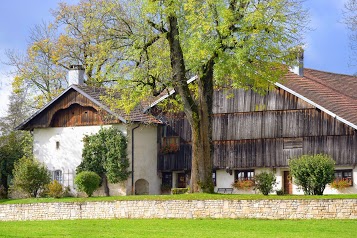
{"x":271,"y":152}
{"x":72,"y":109}
{"x":76,"y":115}
{"x":252,"y":130}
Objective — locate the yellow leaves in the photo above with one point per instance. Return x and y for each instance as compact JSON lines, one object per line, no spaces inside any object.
{"x":17,"y":84}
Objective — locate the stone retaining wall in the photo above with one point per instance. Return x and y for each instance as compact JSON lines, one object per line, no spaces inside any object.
{"x":264,"y":209}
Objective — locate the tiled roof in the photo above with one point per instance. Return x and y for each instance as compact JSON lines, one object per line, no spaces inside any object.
{"x":335,"y":92}
{"x":136,"y":115}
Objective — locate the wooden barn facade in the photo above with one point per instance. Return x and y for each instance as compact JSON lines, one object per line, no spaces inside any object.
{"x":253,"y":132}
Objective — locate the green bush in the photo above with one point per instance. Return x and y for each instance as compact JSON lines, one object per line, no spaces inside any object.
{"x":312,"y":172}
{"x":30,"y":176}
{"x":264,"y":182}
{"x":279,"y":192}
{"x":179,"y":190}
{"x":55,"y":189}
{"x":87,"y":181}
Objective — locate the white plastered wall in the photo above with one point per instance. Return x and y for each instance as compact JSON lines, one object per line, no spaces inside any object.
{"x":225,"y":180}
{"x":145,"y":157}
{"x":68,"y":155}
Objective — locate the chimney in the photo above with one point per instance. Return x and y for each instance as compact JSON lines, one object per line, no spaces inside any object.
{"x":76,"y":74}
{"x":299,"y":68}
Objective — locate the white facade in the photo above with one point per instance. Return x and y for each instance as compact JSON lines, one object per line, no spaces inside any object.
{"x":60,"y":149}
{"x":146,"y":179}
{"x":225,"y":180}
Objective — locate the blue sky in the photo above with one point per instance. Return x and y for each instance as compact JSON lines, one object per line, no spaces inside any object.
{"x":326,"y":45}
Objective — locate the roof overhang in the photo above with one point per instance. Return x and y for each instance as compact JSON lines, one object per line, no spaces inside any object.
{"x":73,"y":87}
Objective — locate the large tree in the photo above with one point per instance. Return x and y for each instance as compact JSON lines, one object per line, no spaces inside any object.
{"x":13,"y":144}
{"x":92,"y":36}
{"x":35,"y":71}
{"x":105,"y":154}
{"x":89,"y":34}
{"x":226,"y":43}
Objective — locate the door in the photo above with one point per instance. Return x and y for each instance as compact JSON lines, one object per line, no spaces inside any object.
{"x":288,"y":186}
{"x":181,"y":180}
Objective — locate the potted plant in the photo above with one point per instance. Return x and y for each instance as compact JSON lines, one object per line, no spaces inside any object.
{"x":169,"y":148}
{"x":340,"y":184}
{"x":243,"y":184}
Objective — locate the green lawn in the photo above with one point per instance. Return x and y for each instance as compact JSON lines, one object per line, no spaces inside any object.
{"x":179,"y":197}
{"x":180,"y":228}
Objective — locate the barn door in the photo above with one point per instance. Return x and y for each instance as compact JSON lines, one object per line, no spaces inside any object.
{"x":288,"y":186}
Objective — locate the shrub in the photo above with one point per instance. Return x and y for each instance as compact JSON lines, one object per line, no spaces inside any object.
{"x":179,"y":190}
{"x":312,"y":172}
{"x":264,"y":182}
{"x":87,"y":181}
{"x":30,"y":176}
{"x":279,"y":192}
{"x":243,"y":184}
{"x":55,"y":189}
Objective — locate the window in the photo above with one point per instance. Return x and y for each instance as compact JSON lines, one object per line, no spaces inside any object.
{"x":57,"y":145}
{"x":57,"y":175}
{"x":214,"y":178}
{"x":344,"y":174}
{"x":170,"y":145}
{"x":167,"y":178}
{"x":244,"y":175}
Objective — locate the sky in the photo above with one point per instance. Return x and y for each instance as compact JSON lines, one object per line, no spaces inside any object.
{"x":326,"y":49}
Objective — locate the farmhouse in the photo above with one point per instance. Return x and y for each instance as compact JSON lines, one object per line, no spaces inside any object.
{"x":308,"y":112}
{"x":59,"y":127}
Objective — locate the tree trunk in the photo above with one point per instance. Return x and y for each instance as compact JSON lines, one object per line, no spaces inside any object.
{"x":198,"y":112}
{"x":202,"y":147}
{"x":105,"y":185}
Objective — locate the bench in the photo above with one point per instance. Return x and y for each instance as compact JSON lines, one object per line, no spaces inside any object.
{"x":225,"y":190}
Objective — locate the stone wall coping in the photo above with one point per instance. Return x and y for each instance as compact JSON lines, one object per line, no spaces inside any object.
{"x":183,"y":209}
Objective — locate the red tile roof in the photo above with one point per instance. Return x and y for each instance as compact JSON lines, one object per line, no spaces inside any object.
{"x":335,"y":92}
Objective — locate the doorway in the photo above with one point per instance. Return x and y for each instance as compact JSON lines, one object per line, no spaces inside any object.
{"x":288,"y":186}
{"x":141,"y":187}
{"x":181,"y":180}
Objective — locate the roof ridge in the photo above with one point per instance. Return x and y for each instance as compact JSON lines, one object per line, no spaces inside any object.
{"x":313,"y":78}
{"x":326,"y":72}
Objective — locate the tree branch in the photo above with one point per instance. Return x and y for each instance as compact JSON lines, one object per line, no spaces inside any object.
{"x":157,"y":27}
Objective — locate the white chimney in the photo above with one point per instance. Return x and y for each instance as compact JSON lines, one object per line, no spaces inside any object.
{"x":76,"y":75}
{"x":299,"y":68}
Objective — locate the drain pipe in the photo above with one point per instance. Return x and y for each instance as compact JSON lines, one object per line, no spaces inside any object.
{"x":132,"y":159}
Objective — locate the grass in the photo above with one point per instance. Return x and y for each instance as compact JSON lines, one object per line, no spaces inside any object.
{"x":177,"y":197}
{"x":180,"y":228}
